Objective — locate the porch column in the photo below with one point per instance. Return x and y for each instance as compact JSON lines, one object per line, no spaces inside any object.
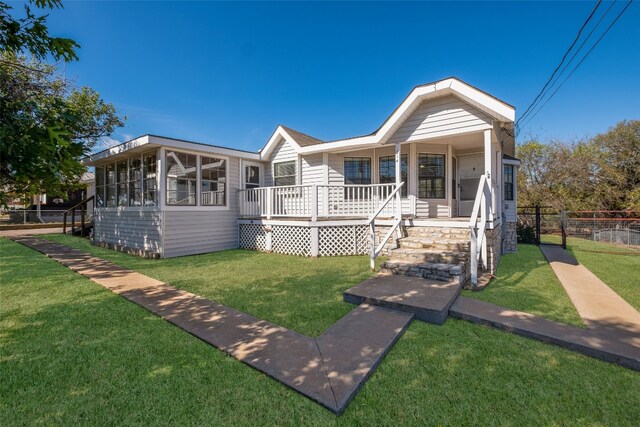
{"x":399,"y":181}
{"x":449,"y":178}
{"x":488,"y":159}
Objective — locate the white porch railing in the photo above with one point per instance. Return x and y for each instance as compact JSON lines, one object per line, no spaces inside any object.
{"x":375,"y":250}
{"x":482,"y":207}
{"x":313,"y":201}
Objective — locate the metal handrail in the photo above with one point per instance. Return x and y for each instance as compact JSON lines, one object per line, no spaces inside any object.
{"x":83,"y":209}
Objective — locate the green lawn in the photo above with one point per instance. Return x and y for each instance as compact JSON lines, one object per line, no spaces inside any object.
{"x":525,"y":281}
{"x":72,"y":352}
{"x":618,"y":269}
{"x":303,"y":294}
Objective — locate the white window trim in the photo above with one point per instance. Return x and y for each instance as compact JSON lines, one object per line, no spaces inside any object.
{"x":197,"y":206}
{"x":296,"y":174}
{"x":243,"y":166}
{"x":344,"y":175}
{"x":406,"y":184}
{"x":418,"y":175}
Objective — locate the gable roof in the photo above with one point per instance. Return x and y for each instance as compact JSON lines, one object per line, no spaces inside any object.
{"x":302,"y":139}
{"x":495,"y":108}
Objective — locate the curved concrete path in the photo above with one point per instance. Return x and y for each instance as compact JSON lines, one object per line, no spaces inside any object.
{"x":329,"y":369}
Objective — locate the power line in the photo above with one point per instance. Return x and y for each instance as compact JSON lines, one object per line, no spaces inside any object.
{"x":581,"y":61}
{"x":563,"y":58}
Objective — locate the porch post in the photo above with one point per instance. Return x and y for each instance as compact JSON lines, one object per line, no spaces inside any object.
{"x":449,"y":176}
{"x":488,"y":158}
{"x":398,"y":182}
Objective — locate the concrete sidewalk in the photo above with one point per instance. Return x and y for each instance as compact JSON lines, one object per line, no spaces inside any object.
{"x":598,"y":305}
{"x":329,"y":369}
{"x":30,"y":231}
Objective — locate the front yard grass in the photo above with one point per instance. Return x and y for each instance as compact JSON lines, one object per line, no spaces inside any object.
{"x":72,"y":352}
{"x":617,"y":266}
{"x":525,"y":281}
{"x":303,"y":294}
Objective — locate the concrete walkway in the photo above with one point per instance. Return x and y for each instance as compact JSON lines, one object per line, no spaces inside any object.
{"x":329,"y":369}
{"x":610,"y":344}
{"x":598,"y":305}
{"x":30,"y":231}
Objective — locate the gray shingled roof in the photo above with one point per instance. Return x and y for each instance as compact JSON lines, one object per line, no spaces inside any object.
{"x":302,"y":139}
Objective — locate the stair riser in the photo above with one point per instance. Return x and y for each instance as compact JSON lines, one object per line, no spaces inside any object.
{"x":427,"y":273}
{"x":429,"y":258}
{"x":461,"y":247}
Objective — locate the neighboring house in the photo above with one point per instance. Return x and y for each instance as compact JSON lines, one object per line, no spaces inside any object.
{"x":448,"y":146}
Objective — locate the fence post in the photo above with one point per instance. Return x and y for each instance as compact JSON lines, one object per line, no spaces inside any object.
{"x":537,"y":224}
{"x":82,"y":209}
{"x":563,"y":228}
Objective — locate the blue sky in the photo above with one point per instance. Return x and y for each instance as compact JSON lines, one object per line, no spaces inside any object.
{"x":229,"y":73}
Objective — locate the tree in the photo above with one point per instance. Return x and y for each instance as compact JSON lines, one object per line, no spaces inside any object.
{"x":30,"y":33}
{"x":619,"y":165}
{"x":46,"y":127}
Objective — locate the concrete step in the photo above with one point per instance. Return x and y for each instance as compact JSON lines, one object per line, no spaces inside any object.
{"x":438,"y":232}
{"x":428,"y":270}
{"x":428,"y":255}
{"x":429,"y":243}
{"x":428,"y":300}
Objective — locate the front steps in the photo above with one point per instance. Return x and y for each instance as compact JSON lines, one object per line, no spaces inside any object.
{"x":435,"y":253}
{"x":428,"y":300}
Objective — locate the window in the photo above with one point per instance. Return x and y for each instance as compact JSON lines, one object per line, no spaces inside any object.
{"x":182,"y":177}
{"x":251,"y":177}
{"x":431,"y":176}
{"x":387,"y":171}
{"x":121,"y":187}
{"x":135,"y":181}
{"x":284,"y":173}
{"x":149,"y":184}
{"x":357,"y":170}
{"x":508,"y":182}
{"x":213,"y":181}
{"x":111,"y":185}
{"x":454,"y":189}
{"x":99,"y":201}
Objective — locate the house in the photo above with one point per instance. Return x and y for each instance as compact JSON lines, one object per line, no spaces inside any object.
{"x":441,"y":168}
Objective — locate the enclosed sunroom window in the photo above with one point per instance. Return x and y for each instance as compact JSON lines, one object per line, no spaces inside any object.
{"x":182,"y":177}
{"x":135,"y":181}
{"x":149,"y":184}
{"x":213,"y":181}
{"x":110,"y":193}
{"x":99,"y":201}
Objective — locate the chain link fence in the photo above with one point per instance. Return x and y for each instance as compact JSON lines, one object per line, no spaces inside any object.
{"x":540,"y":224}
{"x":29,"y":216}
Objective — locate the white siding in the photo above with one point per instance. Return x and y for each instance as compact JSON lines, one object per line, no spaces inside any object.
{"x":189,"y":231}
{"x":284,"y":152}
{"x":440,"y":115}
{"x":312,"y":169}
{"x":510,"y":214}
{"x":133,"y":228}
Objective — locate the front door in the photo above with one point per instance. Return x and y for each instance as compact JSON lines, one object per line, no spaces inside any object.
{"x":470,"y":168}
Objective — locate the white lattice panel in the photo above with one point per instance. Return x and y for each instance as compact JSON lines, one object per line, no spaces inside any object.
{"x":291,"y":240}
{"x":253,"y":236}
{"x":343,"y":240}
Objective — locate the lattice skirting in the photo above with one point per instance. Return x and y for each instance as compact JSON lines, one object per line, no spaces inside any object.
{"x":253,"y":236}
{"x":297,"y":240}
{"x":343,"y":240}
{"x":292,"y":240}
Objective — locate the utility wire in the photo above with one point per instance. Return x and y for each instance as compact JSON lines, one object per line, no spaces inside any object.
{"x":595,"y":27}
{"x":581,"y":61}
{"x":563,"y":59}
